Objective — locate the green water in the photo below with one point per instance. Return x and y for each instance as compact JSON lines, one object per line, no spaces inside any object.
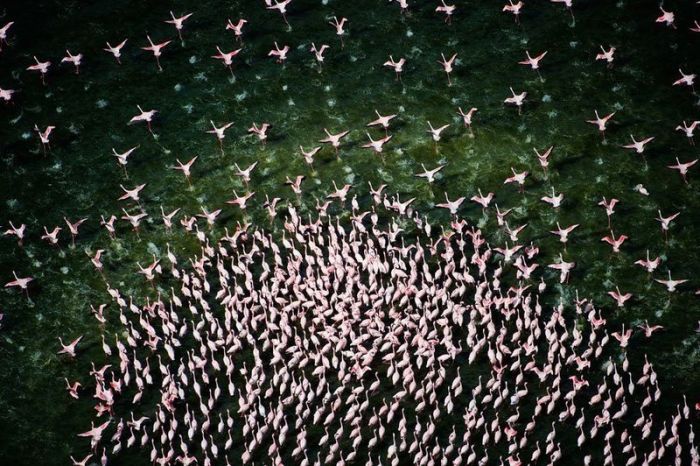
{"x":80,"y":177}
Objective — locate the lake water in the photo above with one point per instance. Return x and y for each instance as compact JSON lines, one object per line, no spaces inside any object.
{"x":79,"y":177}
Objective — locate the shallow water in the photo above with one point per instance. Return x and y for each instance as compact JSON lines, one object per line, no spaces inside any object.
{"x":80,"y":178}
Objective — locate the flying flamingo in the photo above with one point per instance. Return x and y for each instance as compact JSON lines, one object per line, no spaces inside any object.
{"x":280,"y":53}
{"x":74,"y":59}
{"x":683,"y":168}
{"x":122,"y":159}
{"x":601,"y":123}
{"x":607,"y":55}
{"x":516,"y":99}
{"x":282,"y":8}
{"x":178,"y":22}
{"x":686,"y":79}
{"x":518,"y":178}
{"x":615,"y":242}
{"x":543,"y":158}
{"x":116,"y":51}
{"x":382,"y":120}
{"x":309,"y":155}
{"x":452,"y":206}
{"x":44,"y":137}
{"x":334,"y":139}
{"x":670,"y":284}
{"x":51,"y":237}
{"x":396,"y":65}
{"x":377,"y":145}
{"x":339,"y":25}
{"x":219,"y":133}
{"x":73,"y":228}
{"x":650,"y":329}
{"x":467,"y":118}
{"x":318,"y":53}
{"x":649,"y":264}
{"x":69,"y":349}
{"x":688,"y":130}
{"x":16,"y":231}
{"x":667,"y":17}
{"x":156,"y":50}
{"x":514,"y":9}
{"x":237,"y":28}
{"x":227,"y":58}
{"x":3,"y":33}
{"x":609,"y":207}
{"x":448,"y":10}
{"x":447,"y":66}
{"x":429,"y":175}
{"x":146,"y":116}
{"x":534,"y":63}
{"x":185,"y":168}
{"x":638,"y":146}
{"x":260,"y":131}
{"x":21,"y":283}
{"x":6,"y":94}
{"x":41,"y":67}
{"x":666,"y":223}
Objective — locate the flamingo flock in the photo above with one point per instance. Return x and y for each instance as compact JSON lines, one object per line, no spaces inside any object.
{"x":364,"y":332}
{"x":359,"y":341}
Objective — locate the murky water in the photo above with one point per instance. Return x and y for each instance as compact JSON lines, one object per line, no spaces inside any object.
{"x":80,"y":178}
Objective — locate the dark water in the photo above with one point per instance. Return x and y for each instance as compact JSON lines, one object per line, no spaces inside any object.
{"x":80,"y":178}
